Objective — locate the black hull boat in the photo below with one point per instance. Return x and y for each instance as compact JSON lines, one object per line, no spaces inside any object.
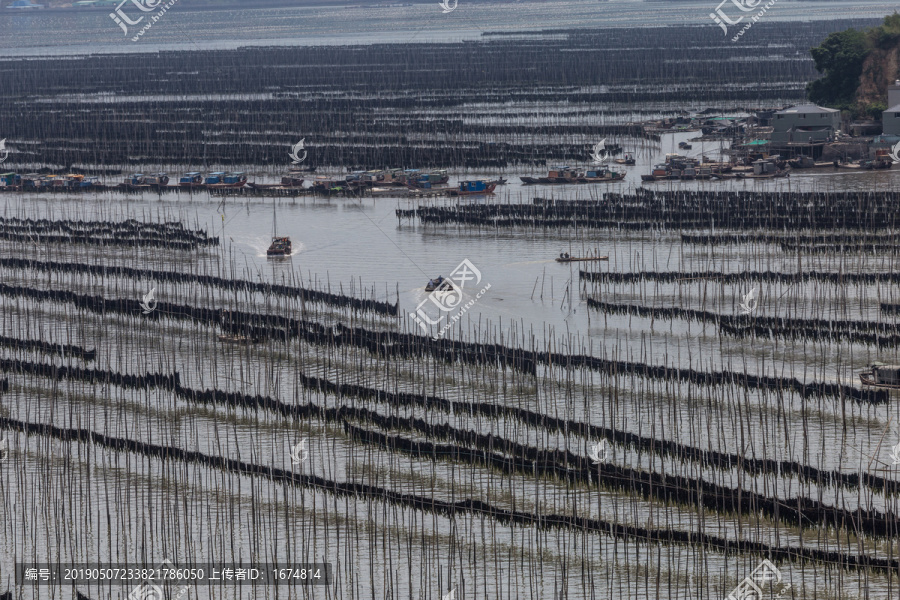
{"x":438,"y":283}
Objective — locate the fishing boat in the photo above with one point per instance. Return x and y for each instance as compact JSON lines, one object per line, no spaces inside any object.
{"x":473,"y":188}
{"x":628,"y":159}
{"x":365,"y":179}
{"x":157,"y":180}
{"x":287,"y":183}
{"x":438,"y":283}
{"x":881,"y":375}
{"x":135,"y":182}
{"x":684,"y":146}
{"x":10,"y":182}
{"x":560,"y":175}
{"x":80,"y":182}
{"x":262,"y":186}
{"x":32,"y":181}
{"x":280,"y":246}
{"x":221,"y":179}
{"x":329,"y":187}
{"x":600,"y":175}
{"x":191,"y":180}
{"x":418,"y":179}
{"x":565,"y":258}
{"x":387,"y":191}
{"x":565,"y":175}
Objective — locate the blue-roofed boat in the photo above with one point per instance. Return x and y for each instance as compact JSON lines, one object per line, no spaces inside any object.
{"x":221,"y":179}
{"x":191,"y":180}
{"x":10,"y":181}
{"x":477,"y":187}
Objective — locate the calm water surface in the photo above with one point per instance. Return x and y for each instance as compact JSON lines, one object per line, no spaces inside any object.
{"x":93,"y":31}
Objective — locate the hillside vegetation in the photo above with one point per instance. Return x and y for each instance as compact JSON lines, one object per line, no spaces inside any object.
{"x":858,"y":66}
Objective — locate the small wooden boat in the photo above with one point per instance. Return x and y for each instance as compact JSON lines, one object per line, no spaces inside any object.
{"x":684,"y":146}
{"x":565,"y":259}
{"x":438,"y":283}
{"x":881,"y":375}
{"x":628,"y":159}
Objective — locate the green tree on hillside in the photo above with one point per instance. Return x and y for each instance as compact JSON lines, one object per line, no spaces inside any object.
{"x":840,"y":58}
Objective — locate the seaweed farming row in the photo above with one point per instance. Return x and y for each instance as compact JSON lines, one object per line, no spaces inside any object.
{"x":834,"y":277}
{"x":452,"y":439}
{"x":124,"y":233}
{"x":223,"y":283}
{"x":353,"y":106}
{"x":883,"y":335}
{"x":684,"y":209}
{"x":259,"y":327}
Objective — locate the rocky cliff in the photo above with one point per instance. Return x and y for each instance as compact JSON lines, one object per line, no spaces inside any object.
{"x":880,"y":69}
